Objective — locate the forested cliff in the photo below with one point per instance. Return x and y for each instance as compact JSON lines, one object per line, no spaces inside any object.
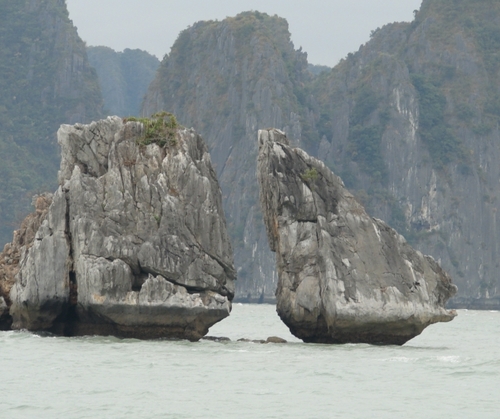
{"x":410,"y":122}
{"x":45,"y":80}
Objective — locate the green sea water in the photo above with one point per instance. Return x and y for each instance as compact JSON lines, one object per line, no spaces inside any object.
{"x":450,"y":371}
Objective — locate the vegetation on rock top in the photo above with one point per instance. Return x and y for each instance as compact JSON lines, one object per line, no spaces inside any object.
{"x":160,"y":129}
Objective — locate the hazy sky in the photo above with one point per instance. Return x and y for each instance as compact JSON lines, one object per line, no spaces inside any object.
{"x":326,"y":29}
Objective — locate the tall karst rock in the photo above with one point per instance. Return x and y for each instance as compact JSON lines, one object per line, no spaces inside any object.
{"x":344,"y":277}
{"x":411,"y":124}
{"x":124,"y":77}
{"x":45,"y":80}
{"x":228,"y":79}
{"x":133,"y":243}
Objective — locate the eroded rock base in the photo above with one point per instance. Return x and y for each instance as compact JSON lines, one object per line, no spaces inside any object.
{"x":391,"y":333}
{"x":183,"y":325}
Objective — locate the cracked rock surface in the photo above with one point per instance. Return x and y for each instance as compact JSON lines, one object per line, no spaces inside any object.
{"x":343,"y":276}
{"x":134,"y":243}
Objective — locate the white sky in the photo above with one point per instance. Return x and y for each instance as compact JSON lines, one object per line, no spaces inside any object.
{"x":326,"y":29}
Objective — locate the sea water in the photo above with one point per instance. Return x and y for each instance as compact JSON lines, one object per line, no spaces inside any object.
{"x":452,"y":370}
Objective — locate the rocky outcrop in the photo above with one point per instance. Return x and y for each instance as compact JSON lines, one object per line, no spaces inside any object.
{"x":343,"y":276}
{"x":134,"y":243}
{"x":9,"y":258}
{"x":412,"y":128}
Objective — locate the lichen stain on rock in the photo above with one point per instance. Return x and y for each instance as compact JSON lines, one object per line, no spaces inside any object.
{"x":343,"y":276}
{"x":118,"y":252}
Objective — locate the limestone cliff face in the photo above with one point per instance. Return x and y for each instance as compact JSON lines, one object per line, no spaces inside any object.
{"x":228,"y":79}
{"x":412,"y":128}
{"x":343,"y":276}
{"x":134,"y":242}
{"x":45,"y":80}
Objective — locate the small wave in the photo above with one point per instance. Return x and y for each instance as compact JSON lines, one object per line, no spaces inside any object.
{"x":400,"y":359}
{"x":22,"y":407}
{"x":454,"y":359}
{"x":426,"y":348}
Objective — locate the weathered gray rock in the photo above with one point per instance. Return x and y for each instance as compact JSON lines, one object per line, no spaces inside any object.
{"x":343,"y":276}
{"x":368,"y":120}
{"x":275,"y":339}
{"x":22,"y":239}
{"x":134,"y":243}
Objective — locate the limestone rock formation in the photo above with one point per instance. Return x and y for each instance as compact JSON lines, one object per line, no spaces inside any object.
{"x":134,"y":243}
{"x":413,"y":131}
{"x":343,"y":276}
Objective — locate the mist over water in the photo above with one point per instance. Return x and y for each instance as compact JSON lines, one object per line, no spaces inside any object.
{"x":450,"y":371}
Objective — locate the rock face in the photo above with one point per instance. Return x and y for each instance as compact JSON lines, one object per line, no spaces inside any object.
{"x":11,"y":255}
{"x":343,"y":276}
{"x":134,"y":243}
{"x":413,"y":131}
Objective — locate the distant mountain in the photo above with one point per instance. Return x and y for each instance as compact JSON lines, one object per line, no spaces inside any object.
{"x":318,"y":69}
{"x":124,"y":77}
{"x":410,"y":122}
{"x":45,"y":80}
{"x":228,"y":79}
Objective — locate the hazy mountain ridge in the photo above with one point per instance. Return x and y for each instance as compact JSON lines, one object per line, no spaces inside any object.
{"x":45,"y":80}
{"x":124,"y":77}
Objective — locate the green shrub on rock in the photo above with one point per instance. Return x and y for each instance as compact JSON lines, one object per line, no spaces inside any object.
{"x":161,"y":129}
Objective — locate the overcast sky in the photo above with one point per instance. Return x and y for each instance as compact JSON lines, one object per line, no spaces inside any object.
{"x":326,"y":29}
